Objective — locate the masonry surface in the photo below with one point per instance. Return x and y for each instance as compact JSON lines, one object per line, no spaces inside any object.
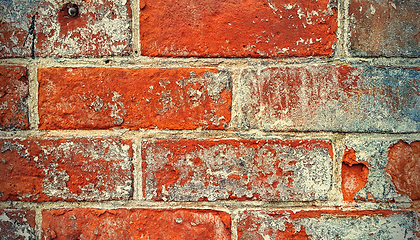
{"x":254,"y":119}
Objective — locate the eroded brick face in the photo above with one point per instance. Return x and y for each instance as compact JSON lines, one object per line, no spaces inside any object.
{"x":14,"y":90}
{"x":333,"y":224}
{"x":329,"y":98}
{"x":353,"y":175}
{"x":17,"y":224}
{"x":385,"y":28}
{"x":104,"y":98}
{"x":135,"y":224}
{"x":246,"y":169}
{"x":254,"y":28}
{"x":40,"y":170}
{"x":392,"y":169}
{"x":44,"y":28}
{"x":403,"y":166}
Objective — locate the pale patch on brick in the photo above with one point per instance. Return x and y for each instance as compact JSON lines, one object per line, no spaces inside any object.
{"x":271,"y":170}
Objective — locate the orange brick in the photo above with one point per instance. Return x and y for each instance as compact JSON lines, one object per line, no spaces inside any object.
{"x":104,"y":98}
{"x":252,"y":28}
{"x":17,"y":224}
{"x":45,"y":28}
{"x":380,"y":170}
{"x":135,"y":224}
{"x":245,"y":169}
{"x":329,"y":98}
{"x":14,"y":90}
{"x":327,"y":224}
{"x":40,"y":170}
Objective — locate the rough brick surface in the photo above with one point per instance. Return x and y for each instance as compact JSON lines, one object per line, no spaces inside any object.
{"x":353,"y":175}
{"x":393,"y":169}
{"x":14,"y":90}
{"x":17,"y":224}
{"x":103,"y":98}
{"x":45,"y":28}
{"x":246,"y":169}
{"x":384,"y":28}
{"x":135,"y":224}
{"x":67,"y":169}
{"x":235,"y":28}
{"x":261,"y":225}
{"x":403,"y":166}
{"x":329,"y":98}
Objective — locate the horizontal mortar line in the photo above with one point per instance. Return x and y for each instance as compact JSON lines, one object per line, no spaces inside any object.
{"x":134,"y":59}
{"x":162,"y":62}
{"x":202,"y":134}
{"x":216,"y":205}
{"x":164,"y":134}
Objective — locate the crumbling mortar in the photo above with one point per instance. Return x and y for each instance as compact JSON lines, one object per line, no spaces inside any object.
{"x":38,"y":222}
{"x":33,"y":97}
{"x":135,"y":27}
{"x":226,"y":205}
{"x":137,"y":172}
{"x":345,"y":26}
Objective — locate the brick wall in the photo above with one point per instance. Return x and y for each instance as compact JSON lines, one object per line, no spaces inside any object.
{"x":203,"y":119}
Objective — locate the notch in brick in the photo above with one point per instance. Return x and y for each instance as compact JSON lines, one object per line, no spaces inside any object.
{"x":386,"y":170}
{"x":353,"y":175}
{"x":327,"y":224}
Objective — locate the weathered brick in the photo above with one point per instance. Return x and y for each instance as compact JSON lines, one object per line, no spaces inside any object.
{"x":17,"y":224}
{"x":327,"y":224}
{"x":14,"y":90}
{"x":103,"y":98}
{"x":40,"y":170}
{"x":135,"y":224}
{"x":391,"y":169}
{"x":235,"y":28}
{"x":246,"y":169}
{"x":329,"y":98}
{"x":45,"y":28}
{"x":384,"y":28}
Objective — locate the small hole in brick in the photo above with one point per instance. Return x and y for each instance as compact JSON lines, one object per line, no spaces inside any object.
{"x":73,"y":10}
{"x":107,"y":61}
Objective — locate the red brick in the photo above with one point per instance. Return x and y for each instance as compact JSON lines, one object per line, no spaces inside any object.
{"x":245,"y":169}
{"x":329,"y":98}
{"x":45,"y":28}
{"x":104,"y":98}
{"x":17,"y":224}
{"x":252,"y":28}
{"x":403,"y":166}
{"x":326,"y":224}
{"x":40,"y":170}
{"x":135,"y":224}
{"x":14,"y":90}
{"x":379,"y":169}
{"x":353,"y":174}
{"x":384,"y":28}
